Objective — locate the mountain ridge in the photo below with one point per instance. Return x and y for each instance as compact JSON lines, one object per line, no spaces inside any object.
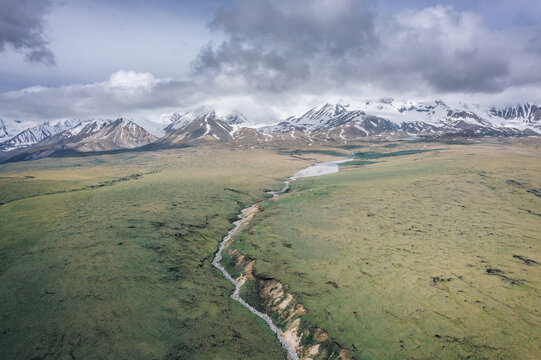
{"x":426,"y":119}
{"x":383,"y":118}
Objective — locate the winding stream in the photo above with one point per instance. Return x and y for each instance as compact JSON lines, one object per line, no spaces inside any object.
{"x":245,"y":216}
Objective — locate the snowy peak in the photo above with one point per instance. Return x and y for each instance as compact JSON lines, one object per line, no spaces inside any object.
{"x":180,"y":120}
{"x":320,"y":118}
{"x":235,"y":118}
{"x":334,"y":121}
{"x":208,"y":127}
{"x":209,"y":116}
{"x":470,"y":124}
{"x":324,"y":112}
{"x":119,"y":134}
{"x":89,"y":128}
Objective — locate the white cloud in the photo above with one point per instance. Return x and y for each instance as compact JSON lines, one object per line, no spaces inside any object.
{"x":132,"y":81}
{"x":22,"y":28}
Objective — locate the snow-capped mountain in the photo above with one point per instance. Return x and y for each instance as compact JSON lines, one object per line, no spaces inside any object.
{"x":334,"y":121}
{"x":98,"y":135}
{"x":180,"y":120}
{"x":384,"y":118}
{"x":85,"y":127}
{"x":207,"y":127}
{"x":325,"y":117}
{"x":438,"y":114}
{"x":119,"y":134}
{"x":342,"y":122}
{"x":37,"y":133}
{"x":430,"y":119}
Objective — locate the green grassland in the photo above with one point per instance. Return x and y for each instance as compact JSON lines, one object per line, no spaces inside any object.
{"x":432,"y":254}
{"x":109,"y":256}
{"x":412,"y":250}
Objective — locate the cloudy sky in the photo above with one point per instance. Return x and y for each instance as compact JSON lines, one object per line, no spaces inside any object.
{"x":266,"y":58}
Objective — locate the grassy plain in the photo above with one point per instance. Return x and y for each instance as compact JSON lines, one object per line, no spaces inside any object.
{"x":404,"y":255}
{"x":109,"y":257}
{"x":420,"y":255}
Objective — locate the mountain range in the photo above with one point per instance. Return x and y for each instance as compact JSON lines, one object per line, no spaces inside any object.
{"x":429,"y":119}
{"x":87,"y":136}
{"x":328,"y":122}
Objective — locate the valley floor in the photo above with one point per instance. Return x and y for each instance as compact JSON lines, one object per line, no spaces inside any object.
{"x":401,"y":254}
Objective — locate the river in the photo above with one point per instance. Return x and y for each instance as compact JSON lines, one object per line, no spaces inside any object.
{"x":245,"y":215}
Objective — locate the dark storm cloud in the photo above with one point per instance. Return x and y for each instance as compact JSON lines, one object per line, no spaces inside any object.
{"x":308,"y":45}
{"x":447,"y":50}
{"x":303,"y":27}
{"x":22,"y":28}
{"x":275,"y":44}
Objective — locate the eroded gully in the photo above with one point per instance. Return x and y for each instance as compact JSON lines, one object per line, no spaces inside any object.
{"x":244,"y":217}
